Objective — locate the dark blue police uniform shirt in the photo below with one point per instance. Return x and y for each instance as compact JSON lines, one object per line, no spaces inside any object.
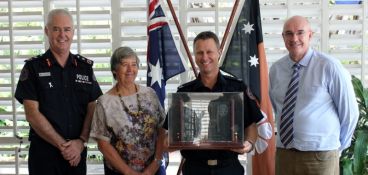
{"x":62,"y":93}
{"x":252,"y":113}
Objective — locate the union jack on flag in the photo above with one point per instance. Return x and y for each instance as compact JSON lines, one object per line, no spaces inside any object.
{"x":163,"y":57}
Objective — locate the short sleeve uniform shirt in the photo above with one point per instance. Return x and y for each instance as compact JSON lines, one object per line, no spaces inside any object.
{"x":63,"y":93}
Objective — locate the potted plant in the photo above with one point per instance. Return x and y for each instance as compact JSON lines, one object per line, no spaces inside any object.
{"x":354,"y":160}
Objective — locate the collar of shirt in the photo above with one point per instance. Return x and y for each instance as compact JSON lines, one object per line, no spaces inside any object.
{"x":304,"y":61}
{"x":51,"y":57}
{"x":220,"y":82}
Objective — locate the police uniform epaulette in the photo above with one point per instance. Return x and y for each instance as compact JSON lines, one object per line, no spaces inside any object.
{"x":232,"y":78}
{"x":33,"y":58}
{"x":187,"y":84}
{"x":84,"y":59}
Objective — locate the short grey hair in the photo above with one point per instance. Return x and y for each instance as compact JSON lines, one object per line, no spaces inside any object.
{"x":56,"y":12}
{"x":119,"y":55}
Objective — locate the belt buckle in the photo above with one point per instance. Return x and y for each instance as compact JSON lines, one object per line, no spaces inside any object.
{"x":212,"y":162}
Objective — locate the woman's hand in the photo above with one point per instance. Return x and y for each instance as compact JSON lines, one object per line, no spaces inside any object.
{"x":131,"y":171}
{"x":152,"y":168}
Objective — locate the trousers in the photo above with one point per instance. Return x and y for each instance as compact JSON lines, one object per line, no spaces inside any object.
{"x":44,"y":158}
{"x":225,"y":167}
{"x":294,"y":162}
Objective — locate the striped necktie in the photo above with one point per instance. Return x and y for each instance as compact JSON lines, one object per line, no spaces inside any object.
{"x":287,"y":115}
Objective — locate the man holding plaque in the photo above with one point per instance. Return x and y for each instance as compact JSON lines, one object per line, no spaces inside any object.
{"x":216,"y":161}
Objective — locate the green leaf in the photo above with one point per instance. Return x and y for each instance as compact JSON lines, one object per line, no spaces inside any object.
{"x":358,"y":88}
{"x":347,"y":165}
{"x":362,"y":99}
{"x":360,"y":151}
{"x":355,"y":158}
{"x":2,"y":123}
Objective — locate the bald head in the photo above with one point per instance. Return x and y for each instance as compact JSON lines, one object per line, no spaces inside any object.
{"x":297,"y":35}
{"x":297,"y":20}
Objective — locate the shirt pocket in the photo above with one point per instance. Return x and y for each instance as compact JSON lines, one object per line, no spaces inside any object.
{"x":315,"y":91}
{"x":318,"y":95}
{"x":47,"y":84}
{"x":48,"y":91}
{"x":82,"y":92}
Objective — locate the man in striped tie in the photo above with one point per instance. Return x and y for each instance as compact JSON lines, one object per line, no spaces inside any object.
{"x":314,"y":104}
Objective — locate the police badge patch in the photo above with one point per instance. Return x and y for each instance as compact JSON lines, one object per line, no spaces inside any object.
{"x":24,"y":74}
{"x":82,"y":79}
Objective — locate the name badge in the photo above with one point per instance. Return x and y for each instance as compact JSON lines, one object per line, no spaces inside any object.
{"x":44,"y":74}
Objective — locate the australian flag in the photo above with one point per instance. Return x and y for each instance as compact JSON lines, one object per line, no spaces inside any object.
{"x":163,"y":57}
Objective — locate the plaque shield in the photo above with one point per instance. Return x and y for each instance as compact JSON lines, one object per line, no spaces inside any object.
{"x":206,"y":120}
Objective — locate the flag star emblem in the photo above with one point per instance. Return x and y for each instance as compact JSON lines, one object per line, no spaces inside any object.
{"x":253,"y":61}
{"x":156,"y":73}
{"x":248,"y":28}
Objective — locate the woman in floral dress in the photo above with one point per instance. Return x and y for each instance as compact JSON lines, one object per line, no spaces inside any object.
{"x":127,"y":121}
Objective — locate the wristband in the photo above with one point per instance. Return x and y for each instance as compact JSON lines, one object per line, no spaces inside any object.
{"x":83,"y":141}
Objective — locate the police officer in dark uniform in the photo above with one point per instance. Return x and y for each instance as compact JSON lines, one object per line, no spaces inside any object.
{"x":58,"y":90}
{"x":210,"y":79}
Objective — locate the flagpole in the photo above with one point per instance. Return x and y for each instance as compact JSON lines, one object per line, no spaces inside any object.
{"x":182,"y":37}
{"x":229,"y":24}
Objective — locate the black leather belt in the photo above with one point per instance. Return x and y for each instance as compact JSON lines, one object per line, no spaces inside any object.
{"x":294,"y":149}
{"x":214,"y":162}
{"x":290,"y":149}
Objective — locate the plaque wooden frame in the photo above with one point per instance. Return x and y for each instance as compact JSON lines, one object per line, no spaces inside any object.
{"x":206,"y":120}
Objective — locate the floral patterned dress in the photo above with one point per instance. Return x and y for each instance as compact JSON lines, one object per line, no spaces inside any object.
{"x":133,"y":136}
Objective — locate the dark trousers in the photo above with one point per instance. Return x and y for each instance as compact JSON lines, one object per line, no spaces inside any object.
{"x":196,"y":167}
{"x":46,"y":159}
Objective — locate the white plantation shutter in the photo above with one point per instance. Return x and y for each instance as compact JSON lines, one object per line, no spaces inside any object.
{"x":21,"y":37}
{"x":103,"y":25}
{"x":133,"y":31}
{"x":340,"y":30}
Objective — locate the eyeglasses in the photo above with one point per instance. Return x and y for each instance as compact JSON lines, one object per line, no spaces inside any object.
{"x":299,"y":34}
